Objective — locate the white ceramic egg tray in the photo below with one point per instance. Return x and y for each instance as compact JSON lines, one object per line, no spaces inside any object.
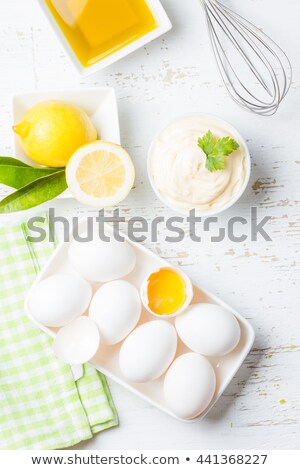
{"x":106,"y":359}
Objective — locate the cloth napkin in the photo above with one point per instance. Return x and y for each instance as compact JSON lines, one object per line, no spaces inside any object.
{"x":41,"y":406}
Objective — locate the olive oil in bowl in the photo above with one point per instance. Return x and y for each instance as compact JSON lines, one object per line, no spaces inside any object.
{"x":95,"y":29}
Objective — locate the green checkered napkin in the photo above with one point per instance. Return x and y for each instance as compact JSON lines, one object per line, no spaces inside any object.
{"x":41,"y":407}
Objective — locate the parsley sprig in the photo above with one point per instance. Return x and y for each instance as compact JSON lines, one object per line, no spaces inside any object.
{"x":216,"y":150}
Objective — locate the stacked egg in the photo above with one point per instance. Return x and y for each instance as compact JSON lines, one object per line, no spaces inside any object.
{"x":91,"y":305}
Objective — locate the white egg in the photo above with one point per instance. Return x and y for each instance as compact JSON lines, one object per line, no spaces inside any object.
{"x":148,"y":351}
{"x":189,"y":385}
{"x":208,"y":329}
{"x":116,"y":308}
{"x":77,"y":342}
{"x":59,"y":299}
{"x":102,"y":261}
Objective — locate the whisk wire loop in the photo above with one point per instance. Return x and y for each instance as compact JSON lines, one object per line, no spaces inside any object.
{"x":254,"y":51}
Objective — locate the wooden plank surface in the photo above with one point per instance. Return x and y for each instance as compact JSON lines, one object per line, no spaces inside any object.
{"x":175,"y":75}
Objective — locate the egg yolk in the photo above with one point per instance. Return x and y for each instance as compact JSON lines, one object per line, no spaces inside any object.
{"x":166,"y":292}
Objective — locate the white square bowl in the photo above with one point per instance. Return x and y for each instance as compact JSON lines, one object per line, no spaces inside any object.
{"x":99,"y":103}
{"x":164,"y":25}
{"x":106,"y":359}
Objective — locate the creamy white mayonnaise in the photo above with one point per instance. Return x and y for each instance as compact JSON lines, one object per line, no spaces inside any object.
{"x":177,"y":166}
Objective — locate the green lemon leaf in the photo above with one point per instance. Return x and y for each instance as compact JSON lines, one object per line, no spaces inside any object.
{"x":16,"y":176}
{"x":12,"y":161}
{"x":35,"y":193}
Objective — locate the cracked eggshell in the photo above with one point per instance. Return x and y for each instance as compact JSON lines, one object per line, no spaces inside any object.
{"x":59,"y":299}
{"x":77,"y":342}
{"x":188,"y":291}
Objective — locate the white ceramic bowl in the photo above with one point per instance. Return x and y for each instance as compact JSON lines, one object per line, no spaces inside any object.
{"x":164,"y":25}
{"x":242,"y":142}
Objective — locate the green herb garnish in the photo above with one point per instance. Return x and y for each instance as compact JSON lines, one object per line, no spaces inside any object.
{"x":216,"y":150}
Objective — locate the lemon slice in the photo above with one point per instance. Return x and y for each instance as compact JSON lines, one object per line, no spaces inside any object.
{"x":100,"y":174}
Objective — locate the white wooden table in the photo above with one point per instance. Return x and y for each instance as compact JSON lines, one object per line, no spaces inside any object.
{"x":176,"y":74}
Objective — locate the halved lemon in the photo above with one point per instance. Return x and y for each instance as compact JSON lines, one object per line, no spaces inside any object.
{"x":100,"y":174}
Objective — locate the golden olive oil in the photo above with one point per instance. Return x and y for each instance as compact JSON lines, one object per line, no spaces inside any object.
{"x":97,"y":28}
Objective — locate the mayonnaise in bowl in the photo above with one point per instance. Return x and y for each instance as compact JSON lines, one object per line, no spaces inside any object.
{"x":177,"y":167}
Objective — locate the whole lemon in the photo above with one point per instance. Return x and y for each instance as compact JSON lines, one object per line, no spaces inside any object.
{"x":52,"y":131}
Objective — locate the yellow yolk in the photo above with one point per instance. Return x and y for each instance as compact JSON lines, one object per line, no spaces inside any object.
{"x":166,"y":292}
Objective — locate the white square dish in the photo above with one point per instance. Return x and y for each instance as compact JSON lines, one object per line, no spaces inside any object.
{"x":106,"y":359}
{"x":99,"y":103}
{"x":164,"y":25}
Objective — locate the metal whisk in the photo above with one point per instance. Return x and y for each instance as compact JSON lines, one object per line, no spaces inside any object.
{"x":255,"y":70}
